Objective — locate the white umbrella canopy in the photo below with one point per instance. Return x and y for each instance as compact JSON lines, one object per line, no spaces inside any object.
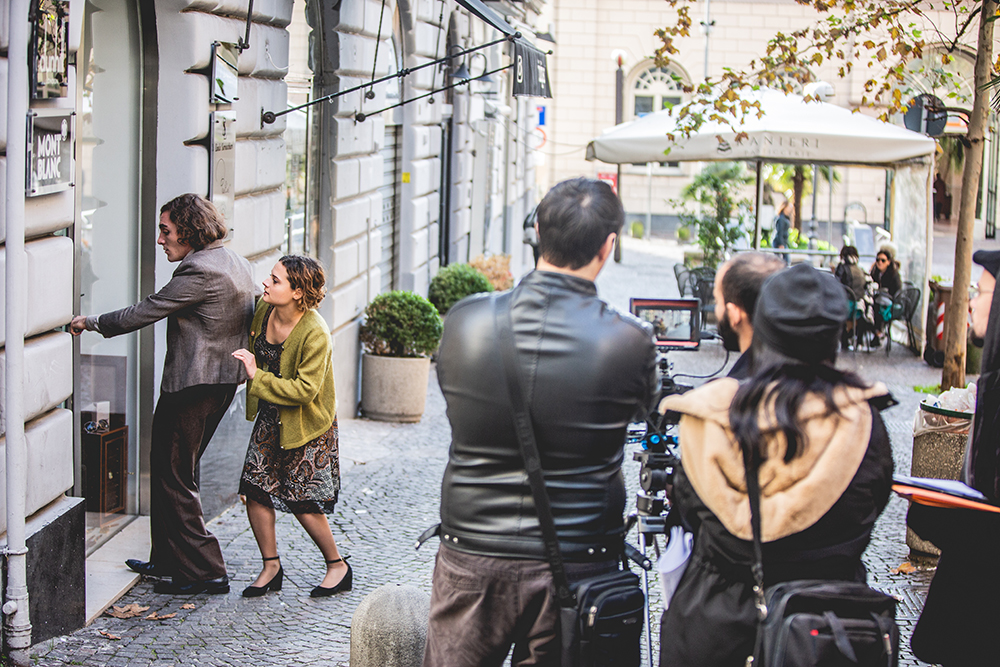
{"x":791,"y":130}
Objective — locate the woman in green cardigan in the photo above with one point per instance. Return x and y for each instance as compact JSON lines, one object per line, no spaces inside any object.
{"x":292,"y":462}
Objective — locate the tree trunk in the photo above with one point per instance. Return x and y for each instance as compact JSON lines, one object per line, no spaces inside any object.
{"x":798,"y":181}
{"x":956,"y":312}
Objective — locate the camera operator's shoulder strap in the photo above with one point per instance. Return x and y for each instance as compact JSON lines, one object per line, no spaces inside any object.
{"x":529,"y":448}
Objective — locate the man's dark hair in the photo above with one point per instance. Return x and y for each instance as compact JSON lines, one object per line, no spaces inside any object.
{"x":197,"y":220}
{"x":574,"y":220}
{"x":745,"y":273}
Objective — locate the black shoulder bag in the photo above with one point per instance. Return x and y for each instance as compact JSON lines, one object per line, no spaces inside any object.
{"x":601,"y":617}
{"x":817,"y":622}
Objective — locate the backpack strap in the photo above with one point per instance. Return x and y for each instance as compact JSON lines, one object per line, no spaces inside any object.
{"x":751,"y":463}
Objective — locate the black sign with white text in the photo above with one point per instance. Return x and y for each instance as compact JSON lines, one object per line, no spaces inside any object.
{"x":531,"y":73}
{"x":51,"y":157}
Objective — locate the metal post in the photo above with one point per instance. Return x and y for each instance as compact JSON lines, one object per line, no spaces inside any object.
{"x":17,"y":626}
{"x":760,"y":198}
{"x":829,"y":209}
{"x":649,"y":199}
{"x":707,"y":27}
{"x":619,"y":117}
{"x":812,"y":222}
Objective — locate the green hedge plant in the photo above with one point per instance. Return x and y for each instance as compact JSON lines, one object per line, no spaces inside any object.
{"x":401,"y":324}
{"x":455,"y":282}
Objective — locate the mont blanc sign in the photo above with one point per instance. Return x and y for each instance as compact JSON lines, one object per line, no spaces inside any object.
{"x":51,"y":158}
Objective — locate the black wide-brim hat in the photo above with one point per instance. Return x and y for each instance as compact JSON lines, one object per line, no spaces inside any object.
{"x":801,"y":312}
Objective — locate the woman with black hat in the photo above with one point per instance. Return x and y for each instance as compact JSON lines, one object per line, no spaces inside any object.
{"x":825,"y":471}
{"x":959,"y":622}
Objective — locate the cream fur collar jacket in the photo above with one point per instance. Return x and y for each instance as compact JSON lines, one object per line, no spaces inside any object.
{"x":794,"y":495}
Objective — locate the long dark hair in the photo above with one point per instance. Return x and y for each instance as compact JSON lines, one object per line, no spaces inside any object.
{"x":782,"y":382}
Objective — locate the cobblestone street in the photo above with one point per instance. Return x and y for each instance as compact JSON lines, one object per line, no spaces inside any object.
{"x":390,"y":488}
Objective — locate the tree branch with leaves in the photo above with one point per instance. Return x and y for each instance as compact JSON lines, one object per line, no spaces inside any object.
{"x":878,"y":40}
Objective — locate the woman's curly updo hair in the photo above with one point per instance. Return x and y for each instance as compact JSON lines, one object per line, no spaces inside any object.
{"x":306,"y":274}
{"x":197,"y":220}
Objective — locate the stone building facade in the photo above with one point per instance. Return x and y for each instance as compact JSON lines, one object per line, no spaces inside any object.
{"x":384,"y":202}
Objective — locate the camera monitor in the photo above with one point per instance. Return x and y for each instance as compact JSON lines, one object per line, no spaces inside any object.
{"x":676,"y":322}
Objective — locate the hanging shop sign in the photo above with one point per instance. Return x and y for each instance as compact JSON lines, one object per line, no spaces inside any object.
{"x":50,"y":49}
{"x":531,"y":74}
{"x":225,"y":73}
{"x":51,"y":161}
{"x":222,"y":164}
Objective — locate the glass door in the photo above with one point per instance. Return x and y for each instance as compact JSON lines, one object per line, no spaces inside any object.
{"x":108,"y":254}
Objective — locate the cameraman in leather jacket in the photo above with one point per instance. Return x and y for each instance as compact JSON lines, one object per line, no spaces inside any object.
{"x":587,"y":371}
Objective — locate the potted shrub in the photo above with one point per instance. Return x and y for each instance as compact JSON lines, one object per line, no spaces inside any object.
{"x":455,"y":282}
{"x":496,"y":268}
{"x":400,"y":332}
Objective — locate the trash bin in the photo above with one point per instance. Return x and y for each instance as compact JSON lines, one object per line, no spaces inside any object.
{"x":934,"y":349}
{"x":939,"y":440}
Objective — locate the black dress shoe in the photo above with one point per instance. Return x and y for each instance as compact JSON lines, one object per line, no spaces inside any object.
{"x":145,"y":568}
{"x":344,"y":585}
{"x":210,"y":586}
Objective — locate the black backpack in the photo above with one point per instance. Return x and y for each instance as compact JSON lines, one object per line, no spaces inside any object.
{"x":829,"y":623}
{"x":817,"y":623}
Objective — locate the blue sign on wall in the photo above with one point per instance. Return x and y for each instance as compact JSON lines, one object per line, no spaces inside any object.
{"x":541,"y":115}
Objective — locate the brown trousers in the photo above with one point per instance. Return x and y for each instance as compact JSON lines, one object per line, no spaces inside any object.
{"x":183,"y":424}
{"x":481,"y":605}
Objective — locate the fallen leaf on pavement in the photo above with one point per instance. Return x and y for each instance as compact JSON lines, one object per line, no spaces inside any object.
{"x":107,"y":634}
{"x":126,"y":611}
{"x":905,"y":567}
{"x":188,"y":606}
{"x":155,"y":617}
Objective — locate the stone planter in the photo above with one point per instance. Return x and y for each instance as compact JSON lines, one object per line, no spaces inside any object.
{"x":394,"y":389}
{"x":941,"y":456}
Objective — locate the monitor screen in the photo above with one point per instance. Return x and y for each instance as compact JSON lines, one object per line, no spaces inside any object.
{"x":676,"y":322}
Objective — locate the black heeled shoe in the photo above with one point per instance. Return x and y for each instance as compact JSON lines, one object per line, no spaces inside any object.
{"x":344,"y":585}
{"x":273,"y":585}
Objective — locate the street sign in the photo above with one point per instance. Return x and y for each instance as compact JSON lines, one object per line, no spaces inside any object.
{"x":609,"y":177}
{"x":926,"y":114}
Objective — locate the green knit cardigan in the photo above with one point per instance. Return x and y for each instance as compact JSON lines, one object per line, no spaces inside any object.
{"x":305,"y":393}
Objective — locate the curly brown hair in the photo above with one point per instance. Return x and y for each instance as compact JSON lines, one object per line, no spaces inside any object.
{"x":197,"y":220}
{"x":306,"y":274}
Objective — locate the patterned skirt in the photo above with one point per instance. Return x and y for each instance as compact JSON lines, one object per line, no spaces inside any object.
{"x":304,"y":480}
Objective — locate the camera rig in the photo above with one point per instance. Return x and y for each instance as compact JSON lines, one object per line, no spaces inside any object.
{"x":676,"y":326}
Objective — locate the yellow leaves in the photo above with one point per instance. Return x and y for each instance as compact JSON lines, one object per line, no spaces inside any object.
{"x":869,"y":44}
{"x":741,"y":137}
{"x":880,"y":54}
{"x":817,"y":59}
{"x":126,"y":611}
{"x":189,"y":605}
{"x":905,"y":567}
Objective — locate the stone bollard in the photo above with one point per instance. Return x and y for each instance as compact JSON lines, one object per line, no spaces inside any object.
{"x":389,"y":628}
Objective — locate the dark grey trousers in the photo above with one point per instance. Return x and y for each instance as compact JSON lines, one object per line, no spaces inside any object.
{"x":183,"y":424}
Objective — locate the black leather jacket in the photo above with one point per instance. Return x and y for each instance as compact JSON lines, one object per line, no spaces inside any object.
{"x":587,"y":371}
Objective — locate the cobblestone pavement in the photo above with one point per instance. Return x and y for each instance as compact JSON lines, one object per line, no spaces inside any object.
{"x":390,"y":489}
